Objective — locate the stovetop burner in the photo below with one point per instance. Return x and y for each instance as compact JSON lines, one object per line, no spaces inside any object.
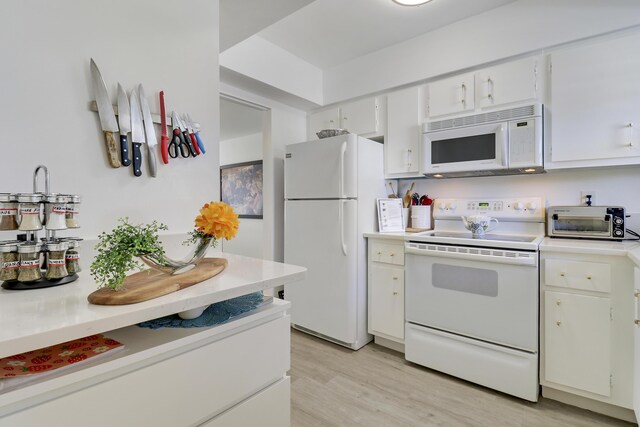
{"x":488,"y":236}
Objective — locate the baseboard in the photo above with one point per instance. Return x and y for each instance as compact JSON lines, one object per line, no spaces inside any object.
{"x":393,"y":345}
{"x":589,"y":404}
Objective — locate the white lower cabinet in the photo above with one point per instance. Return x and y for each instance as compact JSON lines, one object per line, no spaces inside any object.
{"x":386,"y":289}
{"x":586,"y":341}
{"x":173,"y":378}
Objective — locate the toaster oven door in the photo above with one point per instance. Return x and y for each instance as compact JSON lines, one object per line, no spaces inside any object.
{"x":581,"y":226}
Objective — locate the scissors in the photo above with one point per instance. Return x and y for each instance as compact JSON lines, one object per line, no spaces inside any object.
{"x":177,"y":146}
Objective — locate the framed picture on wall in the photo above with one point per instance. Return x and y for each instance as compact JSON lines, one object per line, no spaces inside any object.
{"x":241,"y":188}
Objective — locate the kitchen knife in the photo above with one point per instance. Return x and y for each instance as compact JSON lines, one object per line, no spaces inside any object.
{"x":137,"y":133}
{"x":149,"y":131}
{"x":185,"y":134}
{"x":190,"y":131}
{"x":124,"y":120}
{"x":197,"y":134}
{"x":164,"y":139}
{"x":107,"y":117}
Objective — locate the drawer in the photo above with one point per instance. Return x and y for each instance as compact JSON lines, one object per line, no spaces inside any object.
{"x":184,"y":390}
{"x":390,"y":253}
{"x":270,"y":407}
{"x":591,"y":276}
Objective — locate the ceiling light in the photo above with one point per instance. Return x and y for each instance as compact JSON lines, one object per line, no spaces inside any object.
{"x":411,"y":2}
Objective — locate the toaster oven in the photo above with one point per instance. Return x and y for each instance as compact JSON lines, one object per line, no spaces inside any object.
{"x":587,"y":222}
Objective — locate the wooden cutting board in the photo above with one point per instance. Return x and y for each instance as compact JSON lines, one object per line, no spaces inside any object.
{"x":150,"y":284}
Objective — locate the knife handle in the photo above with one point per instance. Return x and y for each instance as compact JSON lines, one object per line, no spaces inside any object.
{"x":112,"y":149}
{"x":164,"y":148}
{"x":195,"y":143}
{"x":124,"y":150}
{"x":187,"y":139}
{"x":137,"y":159}
{"x":200,"y":144}
{"x":153,"y":160}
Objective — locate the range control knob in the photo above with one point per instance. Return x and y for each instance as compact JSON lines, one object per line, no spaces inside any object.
{"x":617,"y":220}
{"x":451,"y":206}
{"x":442,"y":206}
{"x":617,"y":233}
{"x":532,"y":206}
{"x":518,"y":206}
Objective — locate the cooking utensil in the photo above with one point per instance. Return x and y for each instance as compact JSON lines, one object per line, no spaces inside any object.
{"x":185,"y":135}
{"x":392,"y":195}
{"x":149,"y":131}
{"x":124,"y":120}
{"x":177,"y":146}
{"x":425,"y":200}
{"x":191,"y":131}
{"x":197,"y":134}
{"x":164,"y":139}
{"x":137,"y":133}
{"x":406,"y":200}
{"x":107,"y":116}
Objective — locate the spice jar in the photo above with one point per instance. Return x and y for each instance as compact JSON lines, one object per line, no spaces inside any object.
{"x":56,"y":263}
{"x":72,"y":211}
{"x":29,"y":209}
{"x":29,"y":257}
{"x":8,"y":211}
{"x":73,"y":257}
{"x":9,"y":262}
{"x":55,"y":211}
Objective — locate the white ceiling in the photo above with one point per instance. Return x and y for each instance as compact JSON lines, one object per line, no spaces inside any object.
{"x":330,"y":32}
{"x":237,"y":120}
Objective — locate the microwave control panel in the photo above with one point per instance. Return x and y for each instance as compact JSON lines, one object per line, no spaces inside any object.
{"x":521,"y":209}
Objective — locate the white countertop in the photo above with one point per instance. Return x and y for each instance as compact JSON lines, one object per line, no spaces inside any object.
{"x":400,"y":235}
{"x":38,"y":318}
{"x":584,"y":246}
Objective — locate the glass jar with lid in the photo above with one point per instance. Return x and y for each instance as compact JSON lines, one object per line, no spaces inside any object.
{"x":29,"y":210}
{"x":73,"y":256}
{"x":29,"y":257}
{"x":72,"y":211}
{"x":56,"y":263}
{"x":8,"y":211}
{"x":9,"y":262}
{"x":55,"y":211}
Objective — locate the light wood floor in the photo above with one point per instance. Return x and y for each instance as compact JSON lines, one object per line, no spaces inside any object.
{"x":334,"y":386}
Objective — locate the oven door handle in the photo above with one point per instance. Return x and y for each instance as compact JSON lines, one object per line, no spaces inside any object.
{"x":500,"y":256}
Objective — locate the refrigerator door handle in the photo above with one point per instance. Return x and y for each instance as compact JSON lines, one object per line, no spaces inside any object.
{"x":343,"y":151}
{"x":341,"y":217}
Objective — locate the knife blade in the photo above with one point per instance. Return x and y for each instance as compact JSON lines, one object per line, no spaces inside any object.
{"x":197,"y":134}
{"x":137,"y":133}
{"x":164,"y":139}
{"x":105,"y":112}
{"x":185,"y":134}
{"x":149,"y":131}
{"x":190,"y":132}
{"x":124,"y":120}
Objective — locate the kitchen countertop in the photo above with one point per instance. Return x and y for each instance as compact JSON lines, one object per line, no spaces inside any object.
{"x":41,"y":317}
{"x":584,"y":246}
{"x":400,"y":235}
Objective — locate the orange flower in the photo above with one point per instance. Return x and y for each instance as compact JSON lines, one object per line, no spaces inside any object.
{"x":217,"y":219}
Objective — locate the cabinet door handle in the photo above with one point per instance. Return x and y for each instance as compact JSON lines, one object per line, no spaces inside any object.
{"x":636,"y":294}
{"x":558,"y":323}
{"x":490,"y":87}
{"x":558,"y":302}
{"x":561,"y":274}
{"x":395,"y":293}
{"x":637,"y":322}
{"x":395,"y":278}
{"x":331,"y":124}
{"x":464,"y":95}
{"x":588,"y":277}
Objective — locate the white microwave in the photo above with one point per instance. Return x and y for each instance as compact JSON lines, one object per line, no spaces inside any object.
{"x":496,"y":143}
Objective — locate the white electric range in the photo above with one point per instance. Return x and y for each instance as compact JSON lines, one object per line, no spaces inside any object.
{"x":472,"y":302}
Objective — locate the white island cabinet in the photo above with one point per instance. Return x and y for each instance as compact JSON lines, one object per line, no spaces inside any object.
{"x":230,"y":374}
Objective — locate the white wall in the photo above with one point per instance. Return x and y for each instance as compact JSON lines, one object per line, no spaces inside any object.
{"x":613,"y":186}
{"x":283,"y":125}
{"x":45,"y":88}
{"x":249,"y":239}
{"x":516,"y":28}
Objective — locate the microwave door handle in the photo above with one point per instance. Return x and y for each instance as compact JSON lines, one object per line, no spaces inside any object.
{"x":504,"y":145}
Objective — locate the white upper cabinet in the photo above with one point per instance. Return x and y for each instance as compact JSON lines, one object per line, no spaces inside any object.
{"x":509,"y":83}
{"x":326,"y":119}
{"x":452,"y":95}
{"x":403,"y":137}
{"x":360,"y":117}
{"x":595,"y":104}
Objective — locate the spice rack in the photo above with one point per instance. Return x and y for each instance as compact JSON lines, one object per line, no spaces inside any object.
{"x":21,"y":260}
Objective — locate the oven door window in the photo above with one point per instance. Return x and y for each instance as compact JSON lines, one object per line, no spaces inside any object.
{"x":582,"y":225}
{"x":464,"y":149}
{"x":477,"y":281}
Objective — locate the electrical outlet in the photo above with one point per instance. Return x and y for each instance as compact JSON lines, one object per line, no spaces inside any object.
{"x":583,"y":197}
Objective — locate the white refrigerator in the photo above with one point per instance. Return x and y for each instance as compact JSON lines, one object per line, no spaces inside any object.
{"x":331,"y":187}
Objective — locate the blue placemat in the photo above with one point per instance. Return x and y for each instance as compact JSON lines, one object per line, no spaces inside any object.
{"x":215,"y":314}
